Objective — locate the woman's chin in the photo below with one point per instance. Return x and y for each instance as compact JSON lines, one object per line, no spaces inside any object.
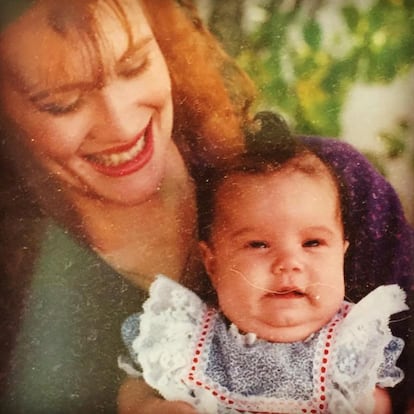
{"x":130,"y":189}
{"x":124,"y":191}
{"x":126,"y":195}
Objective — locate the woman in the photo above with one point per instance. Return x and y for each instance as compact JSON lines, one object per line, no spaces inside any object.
{"x":91,"y":168}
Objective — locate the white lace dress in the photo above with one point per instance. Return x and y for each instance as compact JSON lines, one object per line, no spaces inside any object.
{"x":189,"y":352}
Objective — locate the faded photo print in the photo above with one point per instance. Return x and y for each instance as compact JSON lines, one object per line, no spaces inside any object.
{"x":206,"y":206}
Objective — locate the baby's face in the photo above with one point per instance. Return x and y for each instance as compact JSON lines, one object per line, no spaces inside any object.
{"x":276,"y":253}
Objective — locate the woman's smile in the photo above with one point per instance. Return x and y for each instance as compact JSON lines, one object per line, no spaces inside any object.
{"x":125,"y":159}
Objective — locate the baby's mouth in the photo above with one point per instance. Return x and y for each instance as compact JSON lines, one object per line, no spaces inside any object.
{"x":287,"y":293}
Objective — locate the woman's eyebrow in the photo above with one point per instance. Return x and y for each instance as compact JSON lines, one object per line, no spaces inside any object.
{"x":38,"y":96}
{"x":134,"y":48}
{"x":19,"y":83}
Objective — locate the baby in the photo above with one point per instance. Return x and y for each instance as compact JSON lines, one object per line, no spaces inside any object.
{"x":279,"y":338}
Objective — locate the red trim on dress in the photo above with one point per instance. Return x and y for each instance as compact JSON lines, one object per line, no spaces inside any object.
{"x":318,"y":404}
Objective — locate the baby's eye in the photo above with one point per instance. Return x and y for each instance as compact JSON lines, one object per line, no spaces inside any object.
{"x":312,"y":243}
{"x":257,"y":244}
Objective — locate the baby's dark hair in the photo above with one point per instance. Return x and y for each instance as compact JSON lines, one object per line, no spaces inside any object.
{"x":269,"y":147}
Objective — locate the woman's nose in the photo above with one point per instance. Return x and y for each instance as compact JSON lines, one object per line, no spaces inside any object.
{"x":115,"y":116}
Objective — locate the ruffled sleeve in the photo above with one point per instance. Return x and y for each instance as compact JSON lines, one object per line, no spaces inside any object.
{"x":167,"y":329}
{"x":366,"y":352}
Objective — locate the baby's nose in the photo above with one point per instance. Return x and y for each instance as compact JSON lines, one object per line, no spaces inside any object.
{"x":286,"y":261}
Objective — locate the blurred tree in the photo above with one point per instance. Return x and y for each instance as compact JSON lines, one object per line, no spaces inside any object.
{"x":305,"y":64}
{"x":225,"y":22}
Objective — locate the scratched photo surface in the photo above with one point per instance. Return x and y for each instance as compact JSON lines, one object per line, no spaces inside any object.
{"x":119,"y":120}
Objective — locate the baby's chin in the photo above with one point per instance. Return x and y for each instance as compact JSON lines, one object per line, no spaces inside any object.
{"x":284,"y":332}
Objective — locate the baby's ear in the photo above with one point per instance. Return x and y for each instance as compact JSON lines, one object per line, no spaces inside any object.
{"x":346,"y":245}
{"x":209,"y":259}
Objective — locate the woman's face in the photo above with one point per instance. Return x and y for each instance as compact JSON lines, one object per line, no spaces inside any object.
{"x":104,"y":127}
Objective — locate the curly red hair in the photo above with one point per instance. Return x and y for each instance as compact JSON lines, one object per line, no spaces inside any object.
{"x":211,"y":94}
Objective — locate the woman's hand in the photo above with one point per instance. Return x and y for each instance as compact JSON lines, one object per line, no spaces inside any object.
{"x":159,"y":406}
{"x":136,"y":397}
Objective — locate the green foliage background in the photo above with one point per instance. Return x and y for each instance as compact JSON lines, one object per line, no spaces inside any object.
{"x":379,"y":47}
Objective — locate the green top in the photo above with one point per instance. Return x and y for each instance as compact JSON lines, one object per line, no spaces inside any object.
{"x":65,"y":360}
{"x":10,"y":10}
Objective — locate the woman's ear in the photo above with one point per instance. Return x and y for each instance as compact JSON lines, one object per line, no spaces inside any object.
{"x":209,"y":259}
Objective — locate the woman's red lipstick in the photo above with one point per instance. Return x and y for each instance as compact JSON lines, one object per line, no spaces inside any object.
{"x":126,"y":159}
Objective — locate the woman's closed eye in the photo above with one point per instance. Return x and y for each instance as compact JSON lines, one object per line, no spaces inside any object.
{"x":137,"y":59}
{"x":55,"y":108}
{"x":134,"y":70}
{"x":59,"y":103}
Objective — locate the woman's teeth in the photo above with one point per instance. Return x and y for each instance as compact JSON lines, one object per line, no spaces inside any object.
{"x":115,"y":159}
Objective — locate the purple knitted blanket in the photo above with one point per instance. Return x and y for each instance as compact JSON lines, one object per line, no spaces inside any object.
{"x":381,"y":241}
